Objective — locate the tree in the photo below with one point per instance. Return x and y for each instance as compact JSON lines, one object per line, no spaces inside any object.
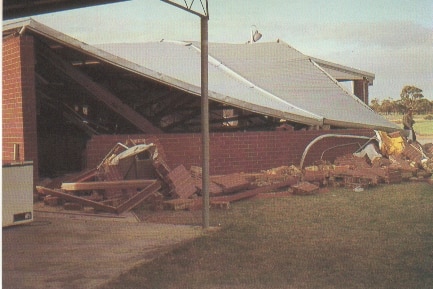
{"x":423,"y":106}
{"x":410,"y":95}
{"x":375,"y":105}
{"x":387,"y":106}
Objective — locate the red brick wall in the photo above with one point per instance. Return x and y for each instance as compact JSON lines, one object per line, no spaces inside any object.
{"x":19,"y":100}
{"x":237,"y":152}
{"x":360,"y":89}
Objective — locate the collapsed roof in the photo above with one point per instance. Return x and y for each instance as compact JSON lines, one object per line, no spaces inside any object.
{"x":259,"y":82}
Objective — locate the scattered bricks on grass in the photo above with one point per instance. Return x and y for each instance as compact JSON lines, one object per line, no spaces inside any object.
{"x":178,"y":204}
{"x":255,"y":192}
{"x":181,"y":183}
{"x":393,"y":176}
{"x":351,"y":161}
{"x":305,"y":188}
{"x":312,"y":176}
{"x":219,"y":205}
{"x":339,"y":169}
{"x":412,"y":153}
{"x":231,"y":183}
{"x":214,"y":189}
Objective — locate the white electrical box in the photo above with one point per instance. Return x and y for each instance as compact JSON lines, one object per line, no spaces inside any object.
{"x":17,"y":193}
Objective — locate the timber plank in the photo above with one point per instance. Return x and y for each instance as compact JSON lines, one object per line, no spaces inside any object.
{"x":124,"y":184}
{"x":139,"y":197}
{"x":72,"y":198}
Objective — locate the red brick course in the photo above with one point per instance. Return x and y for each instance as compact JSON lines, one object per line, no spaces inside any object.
{"x":238,"y":151}
{"x":19,"y":100}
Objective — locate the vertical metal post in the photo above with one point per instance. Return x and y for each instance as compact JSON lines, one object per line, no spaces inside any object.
{"x":205,"y":119}
{"x":204,"y":18}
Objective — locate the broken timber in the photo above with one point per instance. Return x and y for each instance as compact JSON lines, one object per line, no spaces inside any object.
{"x":124,"y":184}
{"x":72,"y":198}
{"x":129,"y":204}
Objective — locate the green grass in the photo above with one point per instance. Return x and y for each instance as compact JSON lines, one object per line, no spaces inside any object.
{"x":379,"y":238}
{"x":421,"y":126}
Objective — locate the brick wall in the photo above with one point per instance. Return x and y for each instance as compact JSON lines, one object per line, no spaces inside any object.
{"x":360,"y":89}
{"x":19,"y":100}
{"x":237,"y":152}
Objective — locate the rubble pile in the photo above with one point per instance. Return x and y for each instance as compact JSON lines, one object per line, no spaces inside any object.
{"x":136,"y":173}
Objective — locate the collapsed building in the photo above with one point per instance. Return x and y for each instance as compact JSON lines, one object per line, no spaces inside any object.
{"x":66,"y":104}
{"x":61,"y":96}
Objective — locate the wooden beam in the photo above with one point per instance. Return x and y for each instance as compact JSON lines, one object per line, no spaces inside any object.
{"x":99,"y":92}
{"x":123,"y":184}
{"x":139,"y":197}
{"x":75,"y":199}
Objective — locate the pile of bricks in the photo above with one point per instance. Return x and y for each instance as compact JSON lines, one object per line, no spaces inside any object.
{"x":119,"y":187}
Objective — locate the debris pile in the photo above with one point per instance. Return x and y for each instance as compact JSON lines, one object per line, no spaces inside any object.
{"x":385,"y":159}
{"x":136,"y":172}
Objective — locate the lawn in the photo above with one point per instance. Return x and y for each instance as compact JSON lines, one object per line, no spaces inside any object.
{"x":379,"y":238}
{"x":422,"y":126}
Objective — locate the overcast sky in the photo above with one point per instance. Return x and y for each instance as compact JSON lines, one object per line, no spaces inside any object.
{"x":391,"y":38}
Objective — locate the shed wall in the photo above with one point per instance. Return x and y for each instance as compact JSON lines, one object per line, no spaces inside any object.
{"x":19,"y":101}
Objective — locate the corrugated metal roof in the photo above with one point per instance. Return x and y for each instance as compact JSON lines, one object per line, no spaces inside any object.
{"x":269,"y":75}
{"x":268,"y":78}
{"x":181,"y":61}
{"x":295,"y":78}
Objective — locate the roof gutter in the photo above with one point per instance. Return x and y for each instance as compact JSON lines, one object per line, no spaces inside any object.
{"x":361,"y":125}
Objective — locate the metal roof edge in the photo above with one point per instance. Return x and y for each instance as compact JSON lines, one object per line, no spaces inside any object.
{"x":107,"y":57}
{"x":346,"y":69}
{"x":343,"y":124}
{"x":16,"y":23}
{"x":266,"y":111}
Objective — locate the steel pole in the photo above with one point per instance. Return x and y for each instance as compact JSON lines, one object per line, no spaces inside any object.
{"x":205,"y":119}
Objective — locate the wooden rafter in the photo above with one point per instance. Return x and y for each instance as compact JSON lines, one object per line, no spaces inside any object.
{"x":100,"y":92}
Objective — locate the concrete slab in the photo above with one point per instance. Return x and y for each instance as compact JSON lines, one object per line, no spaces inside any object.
{"x":70,"y":250}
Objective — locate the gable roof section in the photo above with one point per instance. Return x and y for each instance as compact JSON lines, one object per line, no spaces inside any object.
{"x":298,"y":79}
{"x":267,"y":78}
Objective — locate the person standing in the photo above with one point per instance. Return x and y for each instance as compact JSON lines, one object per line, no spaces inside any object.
{"x":408,"y":123}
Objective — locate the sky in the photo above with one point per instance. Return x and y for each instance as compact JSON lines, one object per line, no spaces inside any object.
{"x":391,"y":38}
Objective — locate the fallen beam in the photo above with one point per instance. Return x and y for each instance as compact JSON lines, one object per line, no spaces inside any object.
{"x":125,"y":184}
{"x":139,"y":197}
{"x":72,"y":198}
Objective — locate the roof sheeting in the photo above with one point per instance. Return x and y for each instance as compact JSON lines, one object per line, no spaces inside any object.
{"x":181,"y":61}
{"x":267,"y":78}
{"x":258,"y":76}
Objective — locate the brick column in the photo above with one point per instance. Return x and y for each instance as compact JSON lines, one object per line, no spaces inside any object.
{"x":19,"y":101}
{"x":360,"y":89}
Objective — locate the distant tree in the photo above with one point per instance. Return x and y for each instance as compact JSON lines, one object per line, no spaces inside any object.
{"x":410,"y":95}
{"x":387,"y":106}
{"x":423,"y":106}
{"x":375,"y":104}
